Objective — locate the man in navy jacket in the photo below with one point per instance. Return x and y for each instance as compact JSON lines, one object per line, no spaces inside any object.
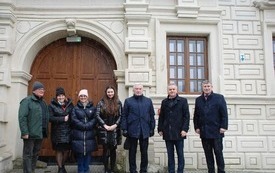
{"x":210,"y":122}
{"x":138,"y":124}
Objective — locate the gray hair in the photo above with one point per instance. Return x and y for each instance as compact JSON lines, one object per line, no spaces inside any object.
{"x":172,"y":84}
{"x":137,"y":84}
{"x":206,"y":82}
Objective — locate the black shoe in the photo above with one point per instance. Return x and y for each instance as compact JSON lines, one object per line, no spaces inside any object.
{"x":60,"y":170}
{"x":64,"y":170}
{"x":106,"y":171}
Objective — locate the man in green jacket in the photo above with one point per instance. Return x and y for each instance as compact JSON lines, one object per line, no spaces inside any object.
{"x":33,"y":122}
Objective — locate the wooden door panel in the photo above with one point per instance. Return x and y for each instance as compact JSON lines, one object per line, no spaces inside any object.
{"x":43,"y":68}
{"x":88,"y":84}
{"x":88,"y":57}
{"x":73,"y":66}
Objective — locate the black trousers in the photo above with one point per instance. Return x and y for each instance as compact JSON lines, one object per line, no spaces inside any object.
{"x":31,"y":149}
{"x":143,"y":143}
{"x":211,"y":147}
{"x":109,"y":153}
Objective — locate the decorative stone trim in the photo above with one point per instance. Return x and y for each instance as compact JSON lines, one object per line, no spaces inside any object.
{"x":3,"y":114}
{"x":138,"y":76}
{"x":120,"y":76}
{"x":20,"y":77}
{"x":5,"y":77}
{"x":264,"y":4}
{"x":200,"y":13}
{"x":188,"y":12}
{"x":7,"y":17}
{"x":5,"y":162}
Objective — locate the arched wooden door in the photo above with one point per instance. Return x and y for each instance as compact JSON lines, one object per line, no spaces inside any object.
{"x":73,"y":66}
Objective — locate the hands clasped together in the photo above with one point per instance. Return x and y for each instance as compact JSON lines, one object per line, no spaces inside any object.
{"x":110,"y":128}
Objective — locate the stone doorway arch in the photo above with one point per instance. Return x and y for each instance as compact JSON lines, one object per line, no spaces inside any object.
{"x":73,"y":66}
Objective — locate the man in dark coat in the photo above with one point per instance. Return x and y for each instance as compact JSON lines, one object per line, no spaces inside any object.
{"x":138,"y":124}
{"x":210,"y":122}
{"x":173,"y":125}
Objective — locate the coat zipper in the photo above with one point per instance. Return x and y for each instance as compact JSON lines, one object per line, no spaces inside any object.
{"x":85,"y":135}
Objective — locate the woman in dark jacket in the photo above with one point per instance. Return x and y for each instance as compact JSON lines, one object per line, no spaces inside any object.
{"x":60,"y":109}
{"x":83,"y":131}
{"x":108,"y":114}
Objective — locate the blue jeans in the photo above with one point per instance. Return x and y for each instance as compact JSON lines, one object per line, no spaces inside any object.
{"x":31,"y":149}
{"x":179,"y":144}
{"x":83,"y":162}
{"x":210,"y":145}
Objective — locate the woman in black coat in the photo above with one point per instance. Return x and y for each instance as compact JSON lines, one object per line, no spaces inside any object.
{"x":60,"y":109}
{"x":83,"y":131}
{"x":108,"y":114}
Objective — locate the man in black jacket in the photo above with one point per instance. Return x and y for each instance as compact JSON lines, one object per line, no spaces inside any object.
{"x":173,"y":125}
{"x":210,"y":122}
{"x":138,"y":124}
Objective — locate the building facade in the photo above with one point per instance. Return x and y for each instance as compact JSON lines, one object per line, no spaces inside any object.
{"x":153,"y":42}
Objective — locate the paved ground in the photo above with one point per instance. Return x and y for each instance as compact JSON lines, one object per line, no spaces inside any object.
{"x":99,"y":169}
{"x":70,"y":169}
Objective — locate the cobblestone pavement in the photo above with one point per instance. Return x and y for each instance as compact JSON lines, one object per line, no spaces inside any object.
{"x":99,"y":169}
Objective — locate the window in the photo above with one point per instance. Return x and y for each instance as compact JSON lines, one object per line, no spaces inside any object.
{"x":274,"y":53}
{"x":187,"y":63}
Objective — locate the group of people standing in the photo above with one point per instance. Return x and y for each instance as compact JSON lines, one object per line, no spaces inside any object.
{"x":76,"y":127}
{"x":73,"y":127}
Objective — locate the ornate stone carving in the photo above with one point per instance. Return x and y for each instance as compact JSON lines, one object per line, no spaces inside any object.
{"x":23,"y":27}
{"x":71,"y":26}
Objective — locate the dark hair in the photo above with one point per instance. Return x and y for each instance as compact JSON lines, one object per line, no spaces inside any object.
{"x":59,"y":91}
{"x":111,"y":104}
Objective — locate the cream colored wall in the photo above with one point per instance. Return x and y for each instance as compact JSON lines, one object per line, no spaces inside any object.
{"x":247,"y":85}
{"x":135,"y":32}
{"x":22,"y":38}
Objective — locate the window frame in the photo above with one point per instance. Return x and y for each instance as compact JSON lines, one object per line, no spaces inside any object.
{"x":187,"y":66}
{"x":273,"y":52}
